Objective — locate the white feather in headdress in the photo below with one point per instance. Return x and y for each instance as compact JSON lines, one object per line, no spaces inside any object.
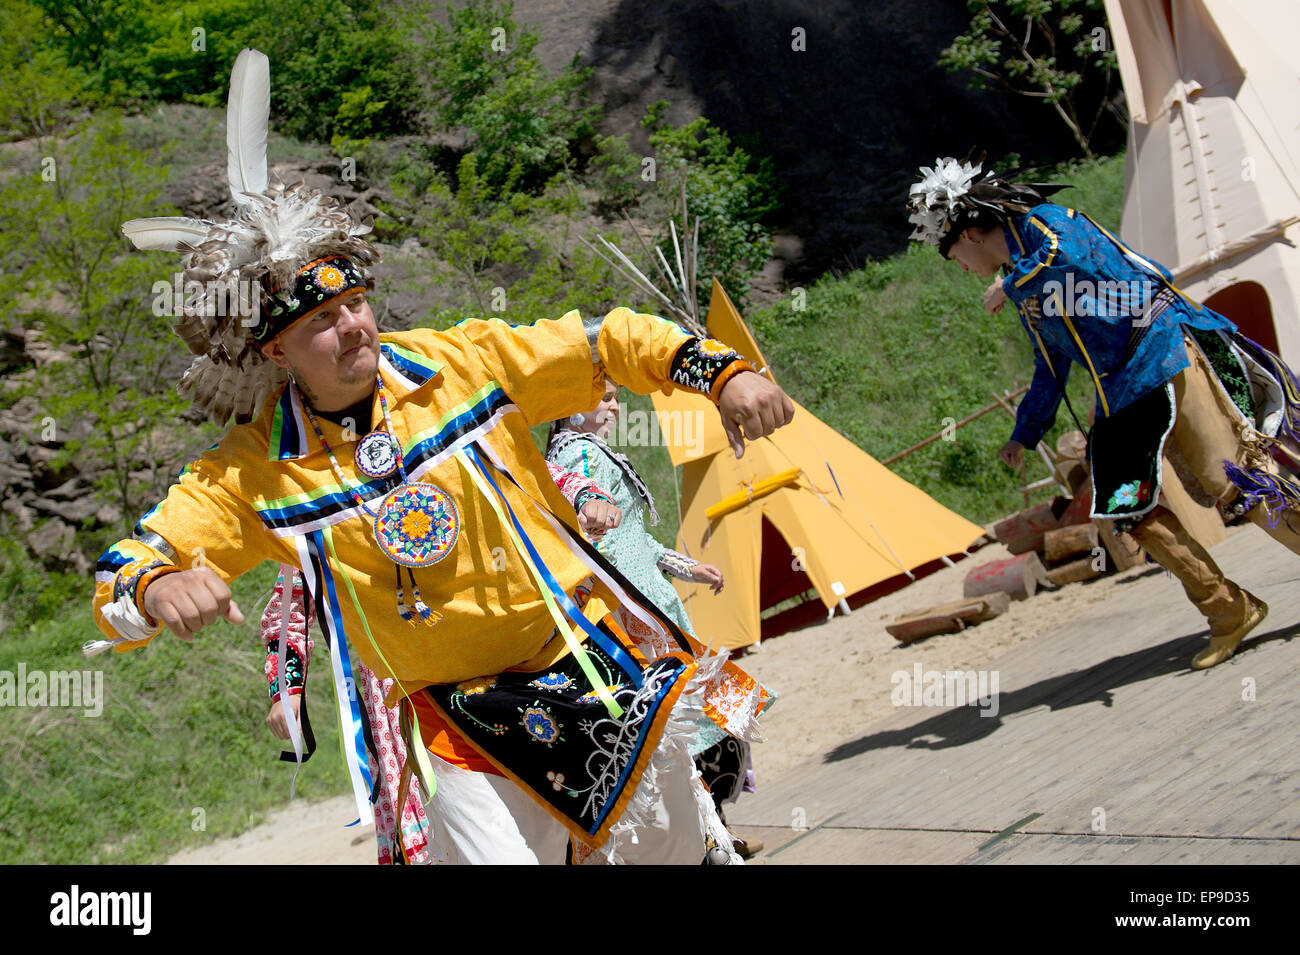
{"x":248,"y":112}
{"x":166,"y":233}
{"x":229,"y":266}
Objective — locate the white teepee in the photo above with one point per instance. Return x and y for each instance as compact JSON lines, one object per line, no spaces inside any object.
{"x":1212,"y":186}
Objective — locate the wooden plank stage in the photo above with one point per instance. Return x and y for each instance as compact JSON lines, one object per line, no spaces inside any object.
{"x":1105,"y":748}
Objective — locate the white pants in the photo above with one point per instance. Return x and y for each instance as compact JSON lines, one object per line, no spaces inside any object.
{"x":482,"y":818}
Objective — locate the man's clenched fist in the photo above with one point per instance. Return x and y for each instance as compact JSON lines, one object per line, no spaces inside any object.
{"x":189,"y":601}
{"x":750,"y":401}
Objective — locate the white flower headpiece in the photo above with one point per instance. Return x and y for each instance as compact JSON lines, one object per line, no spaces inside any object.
{"x":955,"y":190}
{"x":935,"y":201}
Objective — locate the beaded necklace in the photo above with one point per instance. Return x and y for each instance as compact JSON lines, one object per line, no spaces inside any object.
{"x":416,"y":524}
{"x":378,"y":446}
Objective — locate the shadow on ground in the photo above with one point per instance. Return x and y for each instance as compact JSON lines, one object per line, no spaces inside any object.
{"x":961,"y":725}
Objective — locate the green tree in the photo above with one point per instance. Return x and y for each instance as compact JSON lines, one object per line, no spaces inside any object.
{"x":75,"y":281}
{"x":728,"y":188}
{"x":617,"y":174}
{"x":485,"y":80}
{"x":40,"y":87}
{"x":1046,"y":50}
{"x":513,"y":256}
{"x":348,"y":71}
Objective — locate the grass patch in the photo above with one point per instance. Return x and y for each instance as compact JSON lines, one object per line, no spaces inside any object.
{"x":181,"y":742}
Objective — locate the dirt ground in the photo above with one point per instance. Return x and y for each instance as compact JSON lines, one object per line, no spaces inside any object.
{"x":833,"y":679}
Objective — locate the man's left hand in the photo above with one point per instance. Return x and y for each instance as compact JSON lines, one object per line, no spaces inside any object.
{"x":751,"y":402}
{"x":994,"y":297}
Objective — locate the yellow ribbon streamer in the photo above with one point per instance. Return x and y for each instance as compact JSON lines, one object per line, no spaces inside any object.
{"x":562,"y":624}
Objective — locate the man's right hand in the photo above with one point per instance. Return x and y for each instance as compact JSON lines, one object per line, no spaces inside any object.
{"x":1012,"y":454}
{"x":189,"y":601}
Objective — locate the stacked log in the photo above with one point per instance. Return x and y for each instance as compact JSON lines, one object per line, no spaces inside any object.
{"x":1074,"y":547}
{"x":1051,"y":545}
{"x":1023,"y":532}
{"x":1063,"y":548}
{"x":947,"y":618}
{"x":1018,"y":577}
{"x":1065,"y":542}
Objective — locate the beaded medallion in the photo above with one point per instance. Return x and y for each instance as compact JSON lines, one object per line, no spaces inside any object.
{"x":375,"y":456}
{"x":417,"y":525}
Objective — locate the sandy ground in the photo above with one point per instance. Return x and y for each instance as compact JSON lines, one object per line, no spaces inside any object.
{"x":833,"y":679}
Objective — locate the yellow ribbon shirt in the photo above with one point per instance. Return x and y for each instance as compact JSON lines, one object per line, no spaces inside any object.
{"x":267,"y":492}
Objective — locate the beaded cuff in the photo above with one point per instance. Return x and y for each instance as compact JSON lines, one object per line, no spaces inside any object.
{"x":295,"y":673}
{"x":131,"y":579}
{"x":704,"y":365}
{"x":125,"y":613}
{"x":586,"y":494}
{"x":676,"y":565}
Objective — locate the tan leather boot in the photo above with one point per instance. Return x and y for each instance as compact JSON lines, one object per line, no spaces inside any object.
{"x":1221,"y":601}
{"x":1222,"y":647}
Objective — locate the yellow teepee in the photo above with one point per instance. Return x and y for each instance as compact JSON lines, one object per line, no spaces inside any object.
{"x":803,"y":509}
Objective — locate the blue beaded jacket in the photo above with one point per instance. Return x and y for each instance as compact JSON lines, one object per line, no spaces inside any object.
{"x":1085,"y":298}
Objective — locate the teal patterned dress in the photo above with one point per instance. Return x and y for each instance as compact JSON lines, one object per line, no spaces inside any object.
{"x":629,"y":547}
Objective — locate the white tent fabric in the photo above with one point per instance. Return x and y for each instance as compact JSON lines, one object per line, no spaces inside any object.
{"x":1212,"y":186}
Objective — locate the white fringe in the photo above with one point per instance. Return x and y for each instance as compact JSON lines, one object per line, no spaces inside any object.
{"x":125,"y":618}
{"x":672,"y":757}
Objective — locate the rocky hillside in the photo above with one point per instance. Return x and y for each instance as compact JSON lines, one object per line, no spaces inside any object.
{"x":846,"y":120}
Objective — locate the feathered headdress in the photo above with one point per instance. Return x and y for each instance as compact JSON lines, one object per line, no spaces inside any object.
{"x":244,"y":279}
{"x":954,"y":193}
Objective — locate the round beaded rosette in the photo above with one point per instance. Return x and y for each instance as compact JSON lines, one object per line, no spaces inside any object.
{"x":417,"y":525}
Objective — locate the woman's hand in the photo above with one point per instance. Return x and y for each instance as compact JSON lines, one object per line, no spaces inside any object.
{"x":597,"y":517}
{"x":707,"y":574}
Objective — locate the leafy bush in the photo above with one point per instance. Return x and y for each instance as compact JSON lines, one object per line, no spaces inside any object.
{"x":40,"y":86}
{"x":347,"y":71}
{"x":486,"y":80}
{"x":727,"y":187}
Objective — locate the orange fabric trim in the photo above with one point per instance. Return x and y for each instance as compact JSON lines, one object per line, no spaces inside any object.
{"x":144,"y":582}
{"x":443,"y":741}
{"x":737,"y":675}
{"x":730,"y":371}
